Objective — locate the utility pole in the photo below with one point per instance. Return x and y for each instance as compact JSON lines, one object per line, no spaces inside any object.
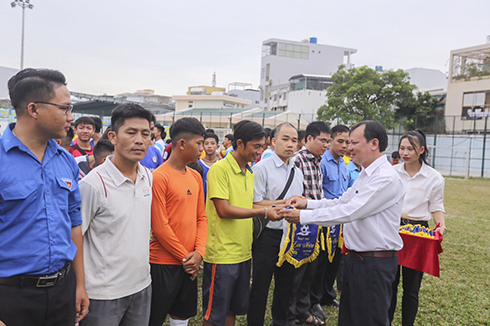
{"x":23,"y":4}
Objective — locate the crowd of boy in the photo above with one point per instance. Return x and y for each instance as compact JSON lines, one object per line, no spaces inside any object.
{"x":128,"y":240}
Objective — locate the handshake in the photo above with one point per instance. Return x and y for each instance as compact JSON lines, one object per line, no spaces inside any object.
{"x":290,"y":210}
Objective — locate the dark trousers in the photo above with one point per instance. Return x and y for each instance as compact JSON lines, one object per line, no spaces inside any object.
{"x":265,"y":251}
{"x":410,"y":299}
{"x":302,"y":284}
{"x":411,"y":286}
{"x":284,"y":295}
{"x":29,"y":305}
{"x":322,"y":290}
{"x":367,"y":290}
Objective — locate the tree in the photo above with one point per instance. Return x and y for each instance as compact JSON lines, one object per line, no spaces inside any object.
{"x":420,"y":112}
{"x":363,"y":94}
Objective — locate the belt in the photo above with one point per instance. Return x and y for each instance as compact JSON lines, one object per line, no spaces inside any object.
{"x":405,"y":221}
{"x":37,"y":281}
{"x":376,"y":254}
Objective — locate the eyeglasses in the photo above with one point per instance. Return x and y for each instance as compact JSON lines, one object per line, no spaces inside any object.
{"x":67,"y":107}
{"x":323,"y":140}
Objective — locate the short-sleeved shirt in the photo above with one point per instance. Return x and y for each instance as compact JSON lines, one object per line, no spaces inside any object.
{"x":228,"y":151}
{"x":152,"y":159}
{"x":116,"y":230}
{"x":270,"y":177}
{"x":334,"y":176}
{"x":160,"y":145}
{"x":205,"y":170}
{"x":229,"y":240}
{"x":39,"y":205}
{"x":166,"y":152}
{"x":267,"y":153}
{"x":424,"y":192}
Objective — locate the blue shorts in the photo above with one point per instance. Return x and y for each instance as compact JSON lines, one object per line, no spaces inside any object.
{"x":225,"y":291}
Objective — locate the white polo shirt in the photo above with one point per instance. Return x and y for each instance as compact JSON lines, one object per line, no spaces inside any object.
{"x":116,"y":231}
{"x":424,"y":193}
{"x":370,"y":209}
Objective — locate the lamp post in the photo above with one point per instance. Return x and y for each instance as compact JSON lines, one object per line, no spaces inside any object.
{"x":23,"y":4}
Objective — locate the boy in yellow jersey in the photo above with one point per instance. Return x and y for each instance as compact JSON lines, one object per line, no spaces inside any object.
{"x":229,"y":207}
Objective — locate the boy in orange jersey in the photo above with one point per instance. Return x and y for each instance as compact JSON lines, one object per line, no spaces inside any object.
{"x":180,"y":226}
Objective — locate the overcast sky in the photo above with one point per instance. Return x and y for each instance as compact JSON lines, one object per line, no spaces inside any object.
{"x":116,"y":46}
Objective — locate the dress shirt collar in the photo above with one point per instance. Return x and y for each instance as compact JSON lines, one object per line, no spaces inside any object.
{"x":10,"y":141}
{"x":278,"y":162}
{"x":117,"y":176}
{"x":373,"y":166}
{"x":423,"y":170}
{"x":329,"y":157}
{"x":234,"y":165}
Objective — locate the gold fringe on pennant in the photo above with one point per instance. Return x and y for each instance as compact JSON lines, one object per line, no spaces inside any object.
{"x":287,"y":256}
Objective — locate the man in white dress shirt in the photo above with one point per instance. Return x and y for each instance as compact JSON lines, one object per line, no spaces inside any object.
{"x":270,"y":179}
{"x":370,"y":211}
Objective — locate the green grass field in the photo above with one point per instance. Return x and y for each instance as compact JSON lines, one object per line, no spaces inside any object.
{"x":462,"y":295}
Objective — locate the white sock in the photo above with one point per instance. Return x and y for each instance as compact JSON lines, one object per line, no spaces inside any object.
{"x":178,"y":322}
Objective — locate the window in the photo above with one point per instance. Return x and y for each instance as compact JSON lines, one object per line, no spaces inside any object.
{"x":475,"y":105}
{"x":295,"y":51}
{"x":190,"y":104}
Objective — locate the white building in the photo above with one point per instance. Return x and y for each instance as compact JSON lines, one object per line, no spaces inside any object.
{"x":307,"y":93}
{"x":244,"y":91}
{"x":282,"y":59}
{"x":217,"y":101}
{"x":428,"y":80}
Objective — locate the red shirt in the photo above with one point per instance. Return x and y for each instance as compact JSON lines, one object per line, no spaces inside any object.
{"x":75,"y":152}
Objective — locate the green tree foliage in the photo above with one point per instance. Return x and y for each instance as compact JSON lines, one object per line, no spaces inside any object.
{"x":418,"y":113}
{"x":362,"y":93}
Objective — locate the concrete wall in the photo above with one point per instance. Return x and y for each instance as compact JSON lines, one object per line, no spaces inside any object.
{"x":306,"y":102}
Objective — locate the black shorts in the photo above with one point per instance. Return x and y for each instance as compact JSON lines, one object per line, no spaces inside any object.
{"x":225,"y":291}
{"x":173,"y":293}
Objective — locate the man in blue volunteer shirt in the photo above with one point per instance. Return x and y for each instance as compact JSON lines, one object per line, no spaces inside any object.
{"x":41,"y":271}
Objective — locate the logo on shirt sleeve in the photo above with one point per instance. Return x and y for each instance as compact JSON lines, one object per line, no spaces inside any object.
{"x":189,"y":193}
{"x":68,"y":182}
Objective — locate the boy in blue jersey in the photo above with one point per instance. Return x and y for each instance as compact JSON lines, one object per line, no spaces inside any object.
{"x":211,"y":144}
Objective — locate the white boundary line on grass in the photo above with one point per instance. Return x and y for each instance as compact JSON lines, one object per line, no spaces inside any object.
{"x":464,"y":244}
{"x":467,"y":218}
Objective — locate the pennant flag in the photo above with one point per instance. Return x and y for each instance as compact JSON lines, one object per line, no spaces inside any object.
{"x":301,"y":245}
{"x":421,"y":249}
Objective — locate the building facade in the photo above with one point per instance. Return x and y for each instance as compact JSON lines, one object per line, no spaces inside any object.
{"x":283,"y":59}
{"x":468,"y":91}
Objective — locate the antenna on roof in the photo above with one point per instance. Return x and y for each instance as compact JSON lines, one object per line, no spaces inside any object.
{"x":214,"y":79}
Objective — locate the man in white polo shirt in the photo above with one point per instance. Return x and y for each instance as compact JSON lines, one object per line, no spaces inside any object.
{"x":116,"y":206}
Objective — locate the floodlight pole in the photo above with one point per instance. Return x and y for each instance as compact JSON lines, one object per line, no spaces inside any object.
{"x":23,"y":4}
